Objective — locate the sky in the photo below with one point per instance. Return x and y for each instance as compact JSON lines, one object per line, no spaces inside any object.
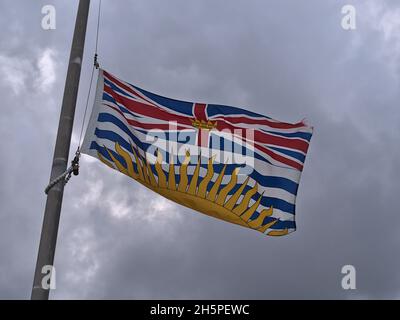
{"x":283,"y":58}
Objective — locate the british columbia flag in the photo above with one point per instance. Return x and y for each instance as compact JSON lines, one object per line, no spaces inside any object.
{"x":226,"y":162}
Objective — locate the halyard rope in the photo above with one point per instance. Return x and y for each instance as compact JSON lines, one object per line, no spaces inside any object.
{"x":74,"y":167}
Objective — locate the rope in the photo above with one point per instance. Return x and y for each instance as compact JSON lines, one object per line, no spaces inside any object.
{"x":66,"y":175}
{"x":74,"y":168}
{"x":95,"y":65}
{"x":98,"y":25}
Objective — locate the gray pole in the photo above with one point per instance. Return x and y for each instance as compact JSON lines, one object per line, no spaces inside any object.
{"x":52,"y":211}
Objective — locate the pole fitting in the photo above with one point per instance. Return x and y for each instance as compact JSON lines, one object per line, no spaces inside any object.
{"x":95,"y":62}
{"x":66,"y":175}
{"x":75,"y":163}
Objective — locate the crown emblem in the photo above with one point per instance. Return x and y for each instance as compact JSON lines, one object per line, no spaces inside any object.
{"x":195,"y":193}
{"x":202,"y":124}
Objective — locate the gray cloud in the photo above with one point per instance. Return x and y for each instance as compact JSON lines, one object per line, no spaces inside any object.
{"x":286,"y":59}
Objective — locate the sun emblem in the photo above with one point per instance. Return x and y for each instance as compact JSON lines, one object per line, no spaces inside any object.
{"x":195,"y":194}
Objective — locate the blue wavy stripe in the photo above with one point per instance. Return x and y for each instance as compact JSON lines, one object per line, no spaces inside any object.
{"x":280,"y":225}
{"x":214,"y":109}
{"x":109,"y":98}
{"x":117,"y":89}
{"x":302,"y":135}
{"x":173,"y":104}
{"x":266,"y":181}
{"x":294,"y":154}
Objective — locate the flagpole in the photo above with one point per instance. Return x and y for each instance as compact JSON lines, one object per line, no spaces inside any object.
{"x":52,"y":211}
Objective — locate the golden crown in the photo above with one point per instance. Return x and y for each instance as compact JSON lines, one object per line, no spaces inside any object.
{"x":202,"y":124}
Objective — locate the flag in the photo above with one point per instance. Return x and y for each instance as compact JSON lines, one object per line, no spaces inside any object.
{"x":226,"y":162}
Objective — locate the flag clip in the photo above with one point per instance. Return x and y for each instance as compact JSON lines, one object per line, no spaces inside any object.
{"x":95,"y":62}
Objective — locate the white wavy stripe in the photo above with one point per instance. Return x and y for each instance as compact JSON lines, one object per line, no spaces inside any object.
{"x":126,"y":94}
{"x":268,"y":191}
{"x":248,"y":143}
{"x":276,"y":213}
{"x":272,"y":170}
{"x":280,"y":153}
{"x":277,"y":134}
{"x":240,"y":136}
{"x":138,"y":94}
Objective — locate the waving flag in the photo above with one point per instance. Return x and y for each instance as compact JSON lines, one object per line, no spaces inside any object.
{"x":226,"y":162}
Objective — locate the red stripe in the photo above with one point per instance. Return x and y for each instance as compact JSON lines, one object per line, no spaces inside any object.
{"x":266,"y":138}
{"x":125,"y":87}
{"x":145,"y":109}
{"x":272,"y":124}
{"x":147,"y":126}
{"x":199,"y":111}
{"x":272,"y":154}
{"x":280,"y":158}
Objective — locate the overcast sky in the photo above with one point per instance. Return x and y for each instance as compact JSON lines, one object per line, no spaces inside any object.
{"x":286,"y":59}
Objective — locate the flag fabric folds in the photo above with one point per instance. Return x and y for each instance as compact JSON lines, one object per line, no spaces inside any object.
{"x":226,"y":162}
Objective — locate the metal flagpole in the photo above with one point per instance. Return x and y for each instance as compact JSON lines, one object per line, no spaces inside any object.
{"x":52,"y":211}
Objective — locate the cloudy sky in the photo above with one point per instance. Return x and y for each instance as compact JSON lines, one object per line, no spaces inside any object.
{"x":287,"y":59}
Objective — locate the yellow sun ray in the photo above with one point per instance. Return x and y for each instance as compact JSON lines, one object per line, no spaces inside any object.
{"x":245,"y":202}
{"x":194,"y":194}
{"x":225,"y":190}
